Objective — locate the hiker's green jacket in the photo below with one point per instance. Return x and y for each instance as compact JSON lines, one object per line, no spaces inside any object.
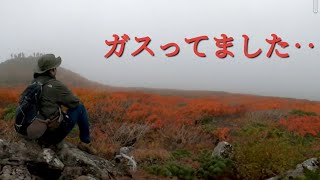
{"x":54,"y":95}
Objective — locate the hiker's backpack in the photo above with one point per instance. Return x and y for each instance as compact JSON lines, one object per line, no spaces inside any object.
{"x":28,"y":107}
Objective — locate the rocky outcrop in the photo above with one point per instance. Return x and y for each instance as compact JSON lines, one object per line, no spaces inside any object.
{"x":223,"y":150}
{"x":310,"y":164}
{"x":27,"y":160}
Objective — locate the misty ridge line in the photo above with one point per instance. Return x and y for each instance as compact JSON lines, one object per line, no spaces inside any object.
{"x":24,"y":64}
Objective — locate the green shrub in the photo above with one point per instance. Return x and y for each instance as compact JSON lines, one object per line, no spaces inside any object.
{"x":212,"y":167}
{"x":172,"y":169}
{"x":181,"y":153}
{"x":207,"y":119}
{"x":9,"y":113}
{"x":298,"y":112}
{"x":312,"y":175}
{"x":208,"y":128}
{"x":159,"y":170}
{"x":264,"y":150}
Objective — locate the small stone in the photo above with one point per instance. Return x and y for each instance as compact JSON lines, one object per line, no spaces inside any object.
{"x":51,"y":159}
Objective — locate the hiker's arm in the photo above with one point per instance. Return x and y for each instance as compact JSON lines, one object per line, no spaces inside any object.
{"x":66,"y":97}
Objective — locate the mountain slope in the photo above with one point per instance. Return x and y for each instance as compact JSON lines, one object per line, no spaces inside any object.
{"x":19,"y":71}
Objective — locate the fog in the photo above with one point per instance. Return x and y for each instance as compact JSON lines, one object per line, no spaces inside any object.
{"x":76,"y":30}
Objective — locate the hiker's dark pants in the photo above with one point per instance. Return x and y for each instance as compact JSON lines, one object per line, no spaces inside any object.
{"x":77,"y":115}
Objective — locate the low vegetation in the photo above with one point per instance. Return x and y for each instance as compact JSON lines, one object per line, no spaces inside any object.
{"x":175,"y":135}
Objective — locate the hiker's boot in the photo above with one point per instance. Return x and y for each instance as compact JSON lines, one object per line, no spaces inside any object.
{"x":87,"y":147}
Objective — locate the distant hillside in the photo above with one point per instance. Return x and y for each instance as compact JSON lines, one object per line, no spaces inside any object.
{"x":19,"y":71}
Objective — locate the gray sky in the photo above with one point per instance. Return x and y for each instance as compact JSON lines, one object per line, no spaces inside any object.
{"x":76,"y":31}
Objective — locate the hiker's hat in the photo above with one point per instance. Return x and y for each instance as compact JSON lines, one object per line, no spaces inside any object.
{"x":46,"y":62}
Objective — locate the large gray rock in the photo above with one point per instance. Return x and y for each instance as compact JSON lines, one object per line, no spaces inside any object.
{"x":223,"y":150}
{"x":311,"y":164}
{"x":72,"y":157}
{"x":27,"y":160}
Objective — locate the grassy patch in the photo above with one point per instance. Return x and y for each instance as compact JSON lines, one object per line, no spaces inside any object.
{"x":172,"y":169}
{"x":212,"y":167}
{"x":9,"y":113}
{"x":181,"y":153}
{"x":297,"y":112}
{"x":262,"y":150}
{"x":208,"y":167}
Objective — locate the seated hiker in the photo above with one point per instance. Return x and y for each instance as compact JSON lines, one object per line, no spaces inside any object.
{"x":54,"y":96}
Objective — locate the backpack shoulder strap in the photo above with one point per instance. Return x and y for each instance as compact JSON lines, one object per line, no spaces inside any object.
{"x":48,"y":82}
{"x":42,"y":84}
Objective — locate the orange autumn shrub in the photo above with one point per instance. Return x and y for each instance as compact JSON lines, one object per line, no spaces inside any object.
{"x":302,"y":125}
{"x":197,"y":109}
{"x":159,"y":110}
{"x":8,"y":96}
{"x":222,"y":133}
{"x":153,"y":109}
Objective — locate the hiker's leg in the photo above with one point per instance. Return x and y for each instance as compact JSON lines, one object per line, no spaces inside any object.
{"x":79,"y":115}
{"x":75,"y":115}
{"x":55,"y":136}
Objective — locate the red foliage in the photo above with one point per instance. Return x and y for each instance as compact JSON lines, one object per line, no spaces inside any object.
{"x":302,"y":125}
{"x":8,"y":96}
{"x":222,"y":133}
{"x":160,"y":111}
